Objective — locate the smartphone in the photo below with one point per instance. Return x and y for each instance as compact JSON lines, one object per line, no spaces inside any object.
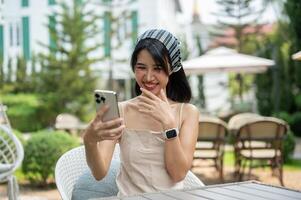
{"x":106,"y":97}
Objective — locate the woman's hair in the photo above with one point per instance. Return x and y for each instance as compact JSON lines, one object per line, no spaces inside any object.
{"x":177,"y":88}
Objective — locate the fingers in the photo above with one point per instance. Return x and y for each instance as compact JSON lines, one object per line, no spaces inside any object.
{"x":112,"y":134}
{"x":109,"y":124}
{"x":163,"y":95}
{"x":146,"y":100}
{"x":149,"y":94}
{"x":144,"y":105}
{"x":112,"y":138}
{"x":101,"y":112}
{"x":99,"y":130}
{"x":145,"y":111}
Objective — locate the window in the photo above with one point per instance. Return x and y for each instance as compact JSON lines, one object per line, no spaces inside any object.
{"x":107,"y":34}
{"x":52,"y":30}
{"x":18,"y":34}
{"x":25,"y":3}
{"x":26,"y":37}
{"x":51,"y":2}
{"x":11,"y":35}
{"x":134,"y":26}
{"x":1,"y":42}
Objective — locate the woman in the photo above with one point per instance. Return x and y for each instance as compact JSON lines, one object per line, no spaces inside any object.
{"x":157,"y":130}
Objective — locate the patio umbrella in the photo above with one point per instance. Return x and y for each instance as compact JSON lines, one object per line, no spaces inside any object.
{"x":297,"y":56}
{"x":223,"y":59}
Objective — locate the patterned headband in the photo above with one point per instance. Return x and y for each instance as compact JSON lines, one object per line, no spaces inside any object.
{"x":170,"y":42}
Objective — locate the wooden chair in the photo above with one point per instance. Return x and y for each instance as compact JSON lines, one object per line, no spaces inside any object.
{"x":260,"y":139}
{"x":211,"y":140}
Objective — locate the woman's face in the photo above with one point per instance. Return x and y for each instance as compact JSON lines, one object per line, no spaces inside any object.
{"x":149,"y":74}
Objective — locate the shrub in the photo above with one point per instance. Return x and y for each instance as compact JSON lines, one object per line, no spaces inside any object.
{"x":298,"y":101}
{"x":288,"y":146}
{"x":283,"y":115}
{"x":42,"y":151}
{"x":295,"y":124}
{"x":294,"y":121}
{"x":19,"y":136}
{"x":24,"y":111}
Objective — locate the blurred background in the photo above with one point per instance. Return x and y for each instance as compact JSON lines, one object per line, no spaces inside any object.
{"x":54,"y":53}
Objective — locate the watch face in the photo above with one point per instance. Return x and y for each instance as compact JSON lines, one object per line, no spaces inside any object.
{"x":171,"y":133}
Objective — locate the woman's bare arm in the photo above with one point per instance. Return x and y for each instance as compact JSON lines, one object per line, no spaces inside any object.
{"x":179,"y":151}
{"x":100,"y":139}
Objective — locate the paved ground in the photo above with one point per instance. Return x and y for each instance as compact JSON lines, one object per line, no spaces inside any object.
{"x":207,"y":175}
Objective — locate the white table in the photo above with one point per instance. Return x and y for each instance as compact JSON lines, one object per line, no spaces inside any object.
{"x":252,"y":190}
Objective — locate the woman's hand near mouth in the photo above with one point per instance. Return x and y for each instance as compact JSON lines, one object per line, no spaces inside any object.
{"x":157,"y":107}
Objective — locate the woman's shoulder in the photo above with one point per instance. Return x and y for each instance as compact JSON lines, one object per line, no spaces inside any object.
{"x":126,"y":103}
{"x":190,"y":109}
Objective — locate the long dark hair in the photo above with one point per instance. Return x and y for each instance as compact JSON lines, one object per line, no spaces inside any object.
{"x":178,"y":88}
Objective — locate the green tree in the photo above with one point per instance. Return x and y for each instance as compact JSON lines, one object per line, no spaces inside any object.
{"x":66,"y":77}
{"x":274,"y":88}
{"x":21,"y":82}
{"x":201,"y":87}
{"x":184,"y":48}
{"x":292,"y":9}
{"x":114,"y":33}
{"x":285,"y":76}
{"x":1,"y":73}
{"x":9,"y":74}
{"x":34,"y":75}
{"x":237,"y":15}
{"x":7,"y":77}
{"x":282,"y":86}
{"x":185,"y":54}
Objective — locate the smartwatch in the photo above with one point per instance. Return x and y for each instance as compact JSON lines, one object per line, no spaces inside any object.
{"x":170,"y":133}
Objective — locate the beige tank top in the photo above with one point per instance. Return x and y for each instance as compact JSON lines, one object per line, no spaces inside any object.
{"x":142,"y":167}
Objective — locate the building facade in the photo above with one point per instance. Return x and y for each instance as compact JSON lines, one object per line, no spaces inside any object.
{"x":215,"y":91}
{"x":23,"y":26}
{"x":23,"y":23}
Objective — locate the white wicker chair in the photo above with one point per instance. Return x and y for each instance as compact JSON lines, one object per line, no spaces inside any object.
{"x":11,"y":156}
{"x":72,"y":164}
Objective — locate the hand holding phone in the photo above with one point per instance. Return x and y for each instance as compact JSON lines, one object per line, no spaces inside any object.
{"x":106,"y":97}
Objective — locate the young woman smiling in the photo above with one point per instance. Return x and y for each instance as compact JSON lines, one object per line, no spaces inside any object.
{"x":157,"y":130}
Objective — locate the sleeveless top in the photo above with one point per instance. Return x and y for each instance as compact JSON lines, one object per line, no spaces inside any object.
{"x":142,"y":167}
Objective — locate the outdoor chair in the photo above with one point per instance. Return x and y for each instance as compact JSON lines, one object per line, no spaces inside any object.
{"x":235,"y":122}
{"x":260,"y":139}
{"x":210,"y":142}
{"x":72,"y":164}
{"x":11,"y":156}
{"x":69,"y":123}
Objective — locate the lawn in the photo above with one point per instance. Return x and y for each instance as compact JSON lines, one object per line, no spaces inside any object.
{"x":293,"y":164}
